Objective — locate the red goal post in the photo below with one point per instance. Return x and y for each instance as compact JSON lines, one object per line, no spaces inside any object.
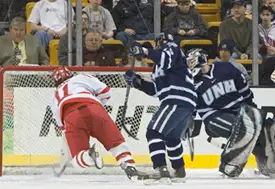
{"x":30,"y":137}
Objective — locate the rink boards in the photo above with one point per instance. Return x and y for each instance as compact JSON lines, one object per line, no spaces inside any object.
{"x":33,"y":140}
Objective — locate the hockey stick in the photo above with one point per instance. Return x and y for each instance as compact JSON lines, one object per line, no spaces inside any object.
{"x":59,"y":173}
{"x":190,"y":142}
{"x":68,"y":160}
{"x":132,"y":61}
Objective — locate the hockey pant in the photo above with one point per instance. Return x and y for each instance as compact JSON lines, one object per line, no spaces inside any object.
{"x":164,"y":135}
{"x":241,"y":131}
{"x":82,"y":120}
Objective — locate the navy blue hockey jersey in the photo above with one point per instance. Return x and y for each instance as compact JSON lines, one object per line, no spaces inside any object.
{"x":223,"y":88}
{"x":172,"y":79}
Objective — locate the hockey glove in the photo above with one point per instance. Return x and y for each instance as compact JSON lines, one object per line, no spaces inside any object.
{"x":136,"y":50}
{"x":131,"y":78}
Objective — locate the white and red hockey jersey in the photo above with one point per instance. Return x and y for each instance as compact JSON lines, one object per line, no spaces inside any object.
{"x":80,"y":88}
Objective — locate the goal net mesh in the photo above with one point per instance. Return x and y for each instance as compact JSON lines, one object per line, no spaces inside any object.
{"x":31,"y":138}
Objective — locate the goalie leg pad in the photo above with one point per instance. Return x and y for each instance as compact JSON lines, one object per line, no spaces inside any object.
{"x":269,"y":131}
{"x":245,"y":132}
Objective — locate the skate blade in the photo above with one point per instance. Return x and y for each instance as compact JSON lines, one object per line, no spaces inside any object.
{"x":161,"y":181}
{"x":178,"y":180}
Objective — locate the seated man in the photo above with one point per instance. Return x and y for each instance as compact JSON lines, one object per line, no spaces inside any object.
{"x":134,"y":20}
{"x":63,"y":42}
{"x":100,"y":19}
{"x":48,"y":20}
{"x":225,"y":49}
{"x":185,"y":22}
{"x":239,"y":29}
{"x":17,"y":48}
{"x":93,"y":52}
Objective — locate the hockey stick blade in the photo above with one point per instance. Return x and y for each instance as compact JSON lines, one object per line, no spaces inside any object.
{"x":59,"y":173}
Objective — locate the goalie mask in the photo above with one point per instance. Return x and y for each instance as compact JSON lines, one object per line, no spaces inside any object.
{"x":196,"y":59}
{"x":162,"y":39}
{"x":61,"y":74}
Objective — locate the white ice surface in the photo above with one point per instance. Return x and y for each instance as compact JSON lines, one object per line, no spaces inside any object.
{"x":196,"y":179}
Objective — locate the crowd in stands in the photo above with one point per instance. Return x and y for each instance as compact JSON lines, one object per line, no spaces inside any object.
{"x":29,"y":42}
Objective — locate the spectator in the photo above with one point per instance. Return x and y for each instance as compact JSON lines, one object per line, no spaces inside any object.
{"x":226,"y":48}
{"x":101,"y":19}
{"x":239,"y":29}
{"x":267,"y":45}
{"x":17,"y":48}
{"x":266,"y":69}
{"x":185,"y":23}
{"x":267,"y":32}
{"x":48,"y":20}
{"x":225,"y":10}
{"x":63,"y":42}
{"x":271,"y":3}
{"x":134,"y":20}
{"x":93,"y":52}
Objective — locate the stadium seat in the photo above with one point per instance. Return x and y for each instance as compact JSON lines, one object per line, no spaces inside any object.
{"x":29,"y":8}
{"x":198,"y":43}
{"x":53,"y":51}
{"x":213,"y":32}
{"x":84,"y":3}
{"x":238,"y":61}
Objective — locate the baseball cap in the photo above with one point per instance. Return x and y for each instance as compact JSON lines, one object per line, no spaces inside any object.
{"x":227,"y":44}
{"x":238,"y":2}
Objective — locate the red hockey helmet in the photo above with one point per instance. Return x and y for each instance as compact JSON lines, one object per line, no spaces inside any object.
{"x":60,"y":74}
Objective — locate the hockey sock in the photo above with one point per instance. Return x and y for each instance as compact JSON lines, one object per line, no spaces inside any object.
{"x":175,"y":152}
{"x":123,"y":155}
{"x":82,"y":159}
{"x":156,"y":148}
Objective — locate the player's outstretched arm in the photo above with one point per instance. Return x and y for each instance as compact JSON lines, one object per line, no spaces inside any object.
{"x":136,"y":81}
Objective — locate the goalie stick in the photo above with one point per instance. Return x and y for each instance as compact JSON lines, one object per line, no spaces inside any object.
{"x":132,"y":61}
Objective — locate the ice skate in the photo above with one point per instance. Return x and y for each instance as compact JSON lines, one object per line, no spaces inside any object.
{"x":96,"y":157}
{"x":179,"y":175}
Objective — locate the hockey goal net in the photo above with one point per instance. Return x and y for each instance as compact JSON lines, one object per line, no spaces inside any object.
{"x":31,"y":138}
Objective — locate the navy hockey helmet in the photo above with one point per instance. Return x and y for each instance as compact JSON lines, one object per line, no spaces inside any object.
{"x":162,"y":39}
{"x":196,"y":59}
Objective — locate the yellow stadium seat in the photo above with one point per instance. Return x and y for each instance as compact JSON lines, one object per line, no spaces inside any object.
{"x":111,"y":42}
{"x":53,"y":50}
{"x":205,"y":44}
{"x":207,"y":8}
{"x":213,"y":24}
{"x":84,"y":3}
{"x":195,"y":42}
{"x":211,"y":17}
{"x":238,"y":61}
{"x":29,"y":8}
